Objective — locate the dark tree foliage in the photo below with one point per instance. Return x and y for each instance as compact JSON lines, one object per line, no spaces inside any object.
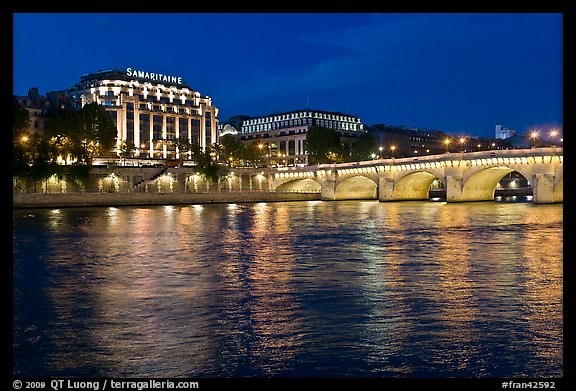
{"x":322,"y":144}
{"x":98,"y":126}
{"x":205,"y":164}
{"x":365,"y":145}
{"x":20,"y":121}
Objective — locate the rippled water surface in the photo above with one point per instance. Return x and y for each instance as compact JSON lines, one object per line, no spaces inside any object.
{"x":295,"y":289}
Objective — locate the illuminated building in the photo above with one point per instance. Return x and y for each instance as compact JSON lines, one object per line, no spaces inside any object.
{"x":150,"y":110}
{"x":284,"y":134}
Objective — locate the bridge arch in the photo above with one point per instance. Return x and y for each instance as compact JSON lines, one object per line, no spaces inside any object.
{"x":356,"y":187}
{"x":481,"y":185}
{"x":300,"y":184}
{"x":414,"y":186}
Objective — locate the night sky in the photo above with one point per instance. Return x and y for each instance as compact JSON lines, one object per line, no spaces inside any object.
{"x":462,"y":73}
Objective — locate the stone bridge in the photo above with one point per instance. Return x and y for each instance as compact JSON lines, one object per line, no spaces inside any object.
{"x":471,"y":176}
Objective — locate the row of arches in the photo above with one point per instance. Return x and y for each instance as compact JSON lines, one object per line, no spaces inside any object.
{"x":480,"y":185}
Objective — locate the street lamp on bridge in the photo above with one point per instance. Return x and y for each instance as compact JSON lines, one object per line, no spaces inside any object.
{"x":462,"y":141}
{"x":553,"y":134}
{"x":446,"y":143}
{"x":534,"y":137}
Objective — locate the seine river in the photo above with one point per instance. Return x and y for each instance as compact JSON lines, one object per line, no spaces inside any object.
{"x":294,"y":289}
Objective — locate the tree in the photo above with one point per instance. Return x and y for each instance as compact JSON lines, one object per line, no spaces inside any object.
{"x":127,"y":149}
{"x":363,"y":148}
{"x":254,"y":153}
{"x":98,"y":129}
{"x":83,"y":135}
{"x":205,"y":165}
{"x":184,"y":146}
{"x":321,"y":142}
{"x":21,"y":140}
{"x":20,"y":121}
{"x":65,"y":134}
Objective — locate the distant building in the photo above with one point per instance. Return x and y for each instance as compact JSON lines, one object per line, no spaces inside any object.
{"x":284,"y":134}
{"x":517,"y":141}
{"x":42,"y":108}
{"x":227,"y":129}
{"x":407,"y":142}
{"x":502,"y":132}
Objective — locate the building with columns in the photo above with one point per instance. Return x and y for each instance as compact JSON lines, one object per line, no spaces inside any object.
{"x":284,"y":134}
{"x":150,"y":110}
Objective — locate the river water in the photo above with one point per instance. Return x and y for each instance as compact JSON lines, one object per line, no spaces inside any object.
{"x":293,"y":289}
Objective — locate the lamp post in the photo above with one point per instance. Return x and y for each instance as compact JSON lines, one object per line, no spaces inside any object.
{"x":553,"y":134}
{"x":380,"y":149}
{"x":260,"y":147}
{"x":462,"y":141}
{"x":446,"y":143}
{"x":534,"y":137}
{"x":393,"y":149}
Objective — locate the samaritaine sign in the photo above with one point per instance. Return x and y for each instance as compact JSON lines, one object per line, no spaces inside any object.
{"x":153,"y":76}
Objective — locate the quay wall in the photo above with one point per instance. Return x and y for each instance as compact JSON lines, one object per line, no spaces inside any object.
{"x":57,"y":200}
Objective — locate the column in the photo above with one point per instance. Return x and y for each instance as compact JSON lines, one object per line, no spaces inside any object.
{"x":202,"y":135}
{"x":137,"y":128}
{"x":151,"y":136}
{"x":164,"y":146}
{"x":177,"y":129}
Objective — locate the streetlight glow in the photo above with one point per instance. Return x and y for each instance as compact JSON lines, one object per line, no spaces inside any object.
{"x":553,"y":133}
{"x":534,"y":136}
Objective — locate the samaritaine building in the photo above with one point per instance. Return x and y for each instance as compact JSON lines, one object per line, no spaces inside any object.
{"x":151,"y":110}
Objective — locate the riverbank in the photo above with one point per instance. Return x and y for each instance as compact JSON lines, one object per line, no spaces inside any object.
{"x":57,"y":200}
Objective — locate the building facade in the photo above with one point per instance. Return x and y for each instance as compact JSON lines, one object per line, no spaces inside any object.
{"x":502,"y":133}
{"x":41,"y":108}
{"x":150,"y":110}
{"x":283,"y":135}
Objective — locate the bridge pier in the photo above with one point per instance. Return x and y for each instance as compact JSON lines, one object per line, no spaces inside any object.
{"x":454,"y":188}
{"x":386,"y":189}
{"x":543,"y":188}
{"x":328,"y":184}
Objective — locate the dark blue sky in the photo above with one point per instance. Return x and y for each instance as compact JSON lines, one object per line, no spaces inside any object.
{"x":457,"y":72}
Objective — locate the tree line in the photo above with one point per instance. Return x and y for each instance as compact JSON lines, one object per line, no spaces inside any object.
{"x":74,"y":136}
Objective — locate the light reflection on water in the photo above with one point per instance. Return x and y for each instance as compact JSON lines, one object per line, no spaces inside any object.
{"x":347,"y":288}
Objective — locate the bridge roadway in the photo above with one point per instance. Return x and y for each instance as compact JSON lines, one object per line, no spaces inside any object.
{"x":469,"y":176}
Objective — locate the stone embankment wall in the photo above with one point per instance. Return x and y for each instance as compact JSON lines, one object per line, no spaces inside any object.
{"x":39,"y":200}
